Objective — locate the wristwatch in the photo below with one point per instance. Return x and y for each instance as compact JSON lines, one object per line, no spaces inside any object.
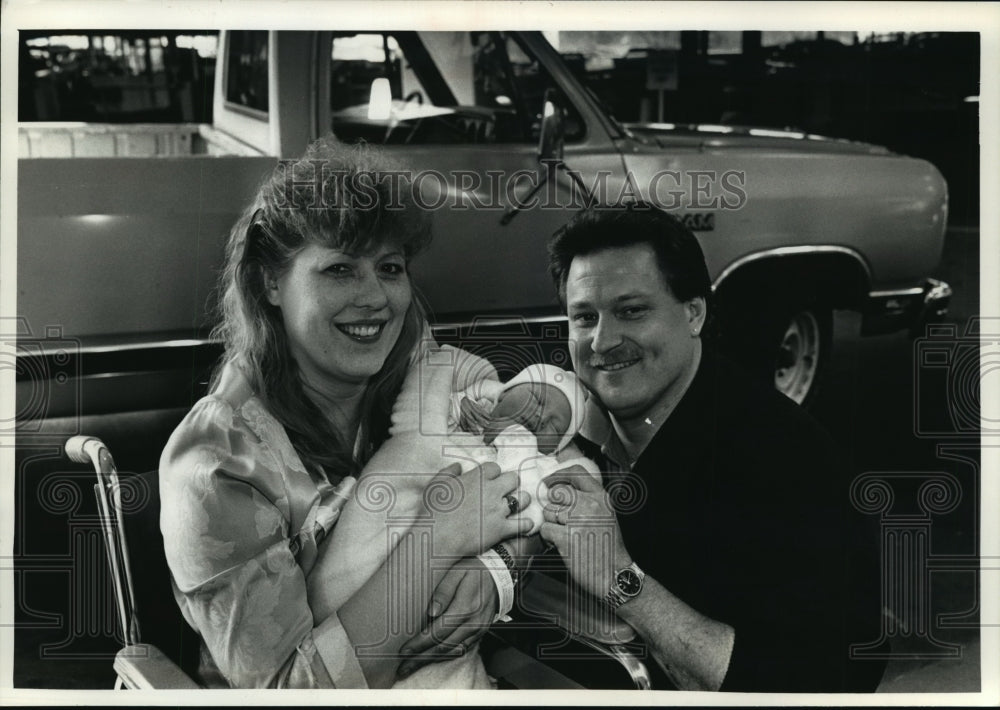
{"x":626,"y":585}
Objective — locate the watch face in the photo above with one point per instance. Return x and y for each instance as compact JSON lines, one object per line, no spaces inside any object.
{"x":629,"y":582}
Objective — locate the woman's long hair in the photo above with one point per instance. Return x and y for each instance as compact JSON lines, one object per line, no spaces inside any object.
{"x":339,"y":197}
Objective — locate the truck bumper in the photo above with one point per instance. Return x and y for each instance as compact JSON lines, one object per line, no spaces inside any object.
{"x":911,"y":308}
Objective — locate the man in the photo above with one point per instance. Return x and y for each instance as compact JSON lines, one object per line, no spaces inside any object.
{"x":727,"y":539}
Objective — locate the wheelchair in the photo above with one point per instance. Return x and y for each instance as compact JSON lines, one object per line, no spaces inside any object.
{"x":558,"y":639}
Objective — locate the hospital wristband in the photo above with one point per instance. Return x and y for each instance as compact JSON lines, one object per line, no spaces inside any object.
{"x":503,"y":581}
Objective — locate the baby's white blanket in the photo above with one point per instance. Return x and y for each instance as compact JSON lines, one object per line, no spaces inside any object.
{"x":390,"y":489}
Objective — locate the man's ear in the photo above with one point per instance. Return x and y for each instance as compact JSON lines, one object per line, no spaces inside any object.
{"x":270,"y":287}
{"x":697,"y":311}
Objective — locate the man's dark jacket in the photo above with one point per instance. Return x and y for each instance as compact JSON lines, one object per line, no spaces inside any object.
{"x":740,"y":507}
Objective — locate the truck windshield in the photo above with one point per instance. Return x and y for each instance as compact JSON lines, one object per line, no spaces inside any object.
{"x":438,"y":87}
{"x":620,"y":127}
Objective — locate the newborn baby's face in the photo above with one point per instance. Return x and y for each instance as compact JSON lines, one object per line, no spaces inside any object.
{"x":539,"y":408}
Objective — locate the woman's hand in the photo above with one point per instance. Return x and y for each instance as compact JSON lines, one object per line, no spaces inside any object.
{"x":472,"y":511}
{"x":461,"y":610}
{"x":581,"y":523}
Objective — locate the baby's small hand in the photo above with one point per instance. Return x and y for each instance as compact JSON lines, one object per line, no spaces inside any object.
{"x":473,"y":418}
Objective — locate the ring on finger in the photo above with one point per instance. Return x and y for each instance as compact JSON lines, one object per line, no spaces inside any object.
{"x":513,"y":504}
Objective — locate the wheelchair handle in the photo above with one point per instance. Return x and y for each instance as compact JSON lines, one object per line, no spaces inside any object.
{"x":84,"y":449}
{"x":89,"y":449}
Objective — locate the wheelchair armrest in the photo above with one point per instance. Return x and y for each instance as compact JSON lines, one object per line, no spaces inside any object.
{"x":577,"y":613}
{"x":563,"y":638}
{"x":145,"y":667}
{"x":515,"y":669}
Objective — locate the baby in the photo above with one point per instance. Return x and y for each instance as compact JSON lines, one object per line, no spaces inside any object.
{"x":455,"y":401}
{"x":529,"y":427}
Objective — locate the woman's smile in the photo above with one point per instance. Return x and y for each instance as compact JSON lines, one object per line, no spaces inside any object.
{"x":362,"y":331}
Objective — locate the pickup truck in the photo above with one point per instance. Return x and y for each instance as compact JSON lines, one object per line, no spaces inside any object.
{"x":120,"y":229}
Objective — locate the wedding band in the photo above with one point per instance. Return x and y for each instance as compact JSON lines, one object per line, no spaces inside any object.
{"x":513,"y":505}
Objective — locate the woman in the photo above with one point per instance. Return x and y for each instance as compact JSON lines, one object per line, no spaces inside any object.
{"x":319,"y":323}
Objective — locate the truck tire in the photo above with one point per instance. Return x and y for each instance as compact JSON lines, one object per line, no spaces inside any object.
{"x":786,"y":347}
{"x":802,"y":354}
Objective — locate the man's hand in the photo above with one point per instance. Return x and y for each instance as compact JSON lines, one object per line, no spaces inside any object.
{"x":461,"y":610}
{"x":581,"y":523}
{"x":692,"y":649}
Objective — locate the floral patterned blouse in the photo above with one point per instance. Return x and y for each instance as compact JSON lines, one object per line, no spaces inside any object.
{"x":241,"y":520}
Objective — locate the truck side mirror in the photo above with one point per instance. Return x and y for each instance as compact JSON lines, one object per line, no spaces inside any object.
{"x":551,"y":135}
{"x":552,"y":131}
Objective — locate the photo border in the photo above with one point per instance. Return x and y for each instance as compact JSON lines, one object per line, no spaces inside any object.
{"x":567,"y":15}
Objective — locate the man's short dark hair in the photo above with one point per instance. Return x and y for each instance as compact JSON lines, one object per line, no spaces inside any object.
{"x":678,"y":253}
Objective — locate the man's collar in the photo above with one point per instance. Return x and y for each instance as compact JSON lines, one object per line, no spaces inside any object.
{"x":599,"y":428}
{"x":596,"y":424}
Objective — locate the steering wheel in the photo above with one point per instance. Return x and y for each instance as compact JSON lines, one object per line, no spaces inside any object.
{"x":414,"y":95}
{"x":429,"y":123}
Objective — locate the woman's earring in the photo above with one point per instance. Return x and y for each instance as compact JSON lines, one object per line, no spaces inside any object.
{"x":271,"y":290}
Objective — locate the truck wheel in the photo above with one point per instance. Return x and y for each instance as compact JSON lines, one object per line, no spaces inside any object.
{"x":787,"y":349}
{"x":802,"y":353}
